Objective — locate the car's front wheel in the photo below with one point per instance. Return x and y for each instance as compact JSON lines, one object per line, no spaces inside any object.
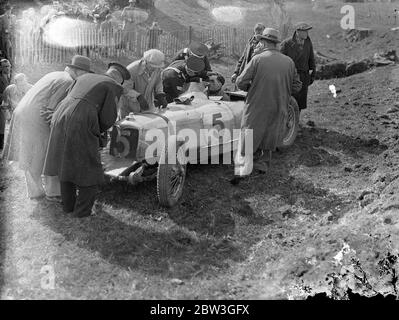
{"x":171,"y":173}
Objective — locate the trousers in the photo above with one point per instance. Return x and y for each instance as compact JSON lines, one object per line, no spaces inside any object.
{"x":38,"y":186}
{"x":302,"y":96}
{"x":77,"y":199}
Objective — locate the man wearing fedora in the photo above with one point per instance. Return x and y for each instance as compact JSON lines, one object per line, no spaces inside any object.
{"x":29,"y":129}
{"x":198,"y":50}
{"x":89,"y":109}
{"x":270,"y":78}
{"x":179,"y":73}
{"x":300,"y":49}
{"x":145,"y":84}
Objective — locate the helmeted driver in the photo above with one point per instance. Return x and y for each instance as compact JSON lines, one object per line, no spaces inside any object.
{"x":181,"y":72}
{"x":198,"y":50}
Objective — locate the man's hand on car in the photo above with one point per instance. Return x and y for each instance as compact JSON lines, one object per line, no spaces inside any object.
{"x":161,"y":100}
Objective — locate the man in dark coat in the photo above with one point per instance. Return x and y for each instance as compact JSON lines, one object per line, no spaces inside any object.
{"x":198,"y":50}
{"x":178,"y":74}
{"x":270,"y":78}
{"x":248,"y":51}
{"x":89,"y":109}
{"x":300,"y":49}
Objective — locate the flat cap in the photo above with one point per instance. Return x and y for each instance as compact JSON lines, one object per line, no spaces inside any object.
{"x":122,"y":69}
{"x":155,"y":58}
{"x":303,"y":26}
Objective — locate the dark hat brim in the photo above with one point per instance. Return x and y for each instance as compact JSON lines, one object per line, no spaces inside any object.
{"x":80,"y":68}
{"x":303,"y":26}
{"x":122,"y":69}
{"x":304,"y":29}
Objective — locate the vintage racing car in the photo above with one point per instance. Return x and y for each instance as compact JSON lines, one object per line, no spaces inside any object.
{"x":126,"y":157}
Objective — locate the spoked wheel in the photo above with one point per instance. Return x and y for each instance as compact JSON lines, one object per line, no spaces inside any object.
{"x":171,"y":176}
{"x":291,"y":126}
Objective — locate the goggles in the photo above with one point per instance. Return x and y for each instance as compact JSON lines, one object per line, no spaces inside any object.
{"x":195,"y":55}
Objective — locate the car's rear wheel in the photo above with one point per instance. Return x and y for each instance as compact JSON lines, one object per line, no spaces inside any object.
{"x":171,"y":174}
{"x":291,"y":126}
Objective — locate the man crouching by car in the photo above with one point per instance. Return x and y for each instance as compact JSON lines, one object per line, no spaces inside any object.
{"x":180,"y":73}
{"x":144,"y":91}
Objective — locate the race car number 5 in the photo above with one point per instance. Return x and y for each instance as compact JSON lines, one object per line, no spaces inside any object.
{"x":216,"y":121}
{"x":121,"y":143}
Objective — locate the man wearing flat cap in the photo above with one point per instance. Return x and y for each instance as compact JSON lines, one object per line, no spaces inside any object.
{"x":300,"y":49}
{"x":89,"y":109}
{"x":270,"y":78}
{"x":179,"y":73}
{"x":145,"y":86}
{"x":30,"y":127}
{"x":198,"y":50}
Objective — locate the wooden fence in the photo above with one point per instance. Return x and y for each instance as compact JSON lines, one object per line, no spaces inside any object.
{"x":33,"y":48}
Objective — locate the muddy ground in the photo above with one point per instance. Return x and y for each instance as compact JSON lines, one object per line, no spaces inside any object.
{"x":324,"y":219}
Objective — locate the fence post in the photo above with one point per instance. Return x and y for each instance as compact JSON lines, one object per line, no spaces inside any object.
{"x":234,"y":42}
{"x":190,"y":34}
{"x":153,"y":36}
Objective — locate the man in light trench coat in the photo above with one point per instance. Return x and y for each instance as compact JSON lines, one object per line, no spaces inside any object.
{"x":270,"y":78}
{"x":144,"y":90}
{"x":30,"y":127}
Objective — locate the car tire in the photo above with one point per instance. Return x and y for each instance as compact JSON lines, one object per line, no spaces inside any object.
{"x":291,"y":126}
{"x":171,"y":176}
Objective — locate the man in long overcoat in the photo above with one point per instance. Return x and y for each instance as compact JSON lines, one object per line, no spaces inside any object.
{"x":300,"y":49}
{"x":248,"y":51}
{"x":89,"y":110}
{"x":270,"y":78}
{"x":30,"y":128}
